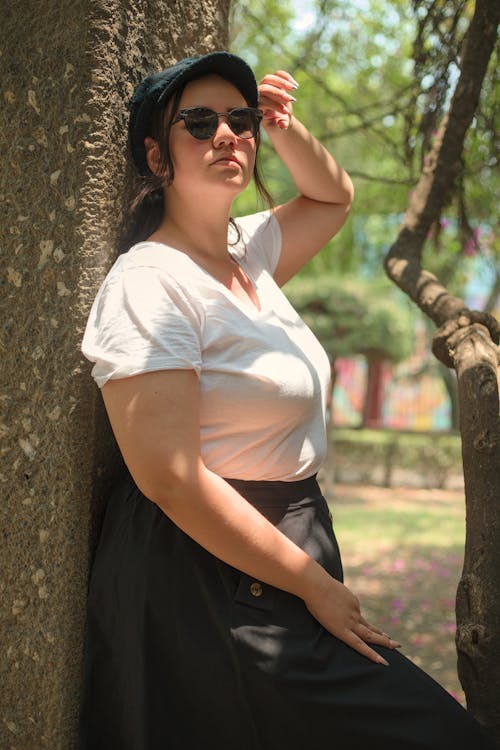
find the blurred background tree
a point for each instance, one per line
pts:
(355, 316)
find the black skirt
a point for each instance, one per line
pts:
(184, 652)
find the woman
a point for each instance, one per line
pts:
(217, 613)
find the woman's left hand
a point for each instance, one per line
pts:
(276, 100)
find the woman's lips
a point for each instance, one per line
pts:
(227, 159)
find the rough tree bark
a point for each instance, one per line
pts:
(67, 70)
(466, 341)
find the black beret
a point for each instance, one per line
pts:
(158, 88)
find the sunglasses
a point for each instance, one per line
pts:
(202, 122)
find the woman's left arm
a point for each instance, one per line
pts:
(308, 221)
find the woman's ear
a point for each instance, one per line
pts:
(152, 155)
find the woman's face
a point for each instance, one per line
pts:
(223, 162)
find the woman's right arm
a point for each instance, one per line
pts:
(155, 419)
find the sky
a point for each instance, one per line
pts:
(304, 15)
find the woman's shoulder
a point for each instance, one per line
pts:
(149, 254)
(156, 261)
(153, 276)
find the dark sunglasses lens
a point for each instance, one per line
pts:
(243, 122)
(202, 124)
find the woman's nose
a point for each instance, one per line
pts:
(223, 134)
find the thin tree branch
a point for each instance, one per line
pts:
(494, 294)
(403, 261)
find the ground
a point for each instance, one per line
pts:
(402, 551)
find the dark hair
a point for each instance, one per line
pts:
(147, 207)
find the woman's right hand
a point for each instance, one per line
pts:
(338, 610)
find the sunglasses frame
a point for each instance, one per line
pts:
(185, 113)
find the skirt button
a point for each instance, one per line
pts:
(256, 589)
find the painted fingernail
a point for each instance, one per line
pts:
(292, 98)
(383, 661)
(296, 84)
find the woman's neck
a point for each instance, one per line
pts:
(198, 229)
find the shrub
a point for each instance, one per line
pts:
(374, 455)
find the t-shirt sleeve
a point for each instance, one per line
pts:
(141, 321)
(261, 237)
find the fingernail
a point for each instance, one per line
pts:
(292, 98)
(295, 83)
(383, 661)
(395, 645)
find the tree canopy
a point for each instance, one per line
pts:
(376, 77)
(353, 315)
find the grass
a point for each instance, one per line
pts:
(392, 528)
(402, 551)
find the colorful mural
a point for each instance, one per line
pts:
(409, 402)
(414, 396)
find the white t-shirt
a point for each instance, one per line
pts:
(263, 375)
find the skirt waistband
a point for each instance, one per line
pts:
(275, 494)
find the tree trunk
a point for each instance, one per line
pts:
(67, 71)
(478, 610)
(372, 408)
(465, 341)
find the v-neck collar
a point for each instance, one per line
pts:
(253, 283)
